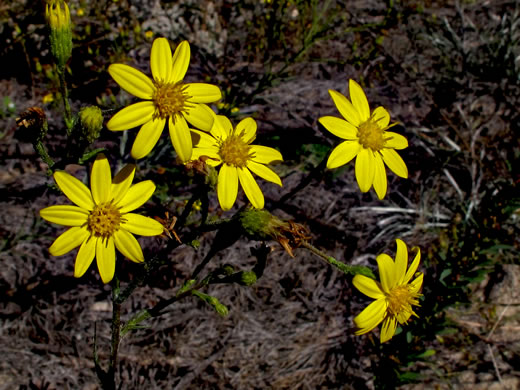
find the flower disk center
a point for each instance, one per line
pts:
(169, 99)
(371, 135)
(234, 151)
(401, 299)
(104, 220)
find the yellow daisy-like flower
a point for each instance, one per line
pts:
(366, 137)
(101, 220)
(232, 148)
(166, 99)
(394, 296)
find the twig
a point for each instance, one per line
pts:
(495, 364)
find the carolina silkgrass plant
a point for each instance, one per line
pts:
(222, 157)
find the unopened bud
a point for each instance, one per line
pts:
(91, 120)
(212, 301)
(260, 224)
(248, 278)
(57, 15)
(221, 309)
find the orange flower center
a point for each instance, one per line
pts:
(104, 220)
(234, 151)
(371, 135)
(401, 299)
(169, 99)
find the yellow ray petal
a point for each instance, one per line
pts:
(345, 107)
(381, 116)
(264, 154)
(101, 179)
(200, 116)
(394, 162)
(413, 267)
(359, 100)
(180, 61)
(128, 246)
(343, 154)
(147, 137)
(264, 172)
(251, 188)
(161, 60)
(395, 140)
(132, 80)
(227, 186)
(180, 137)
(141, 225)
(86, 254)
(136, 196)
(69, 240)
(401, 261)
(203, 93)
(386, 272)
(75, 190)
(132, 116)
(371, 316)
(339, 127)
(416, 284)
(122, 182)
(388, 329)
(380, 183)
(106, 258)
(248, 126)
(67, 215)
(201, 139)
(365, 169)
(368, 286)
(212, 153)
(222, 127)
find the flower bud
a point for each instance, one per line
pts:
(221, 309)
(91, 120)
(58, 19)
(212, 301)
(248, 278)
(260, 224)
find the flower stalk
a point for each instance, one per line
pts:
(345, 268)
(116, 335)
(57, 15)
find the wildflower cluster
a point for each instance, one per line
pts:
(102, 217)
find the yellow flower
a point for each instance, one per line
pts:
(166, 99)
(366, 137)
(48, 98)
(232, 148)
(394, 296)
(101, 220)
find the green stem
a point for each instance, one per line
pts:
(42, 152)
(155, 311)
(191, 287)
(345, 268)
(65, 98)
(116, 335)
